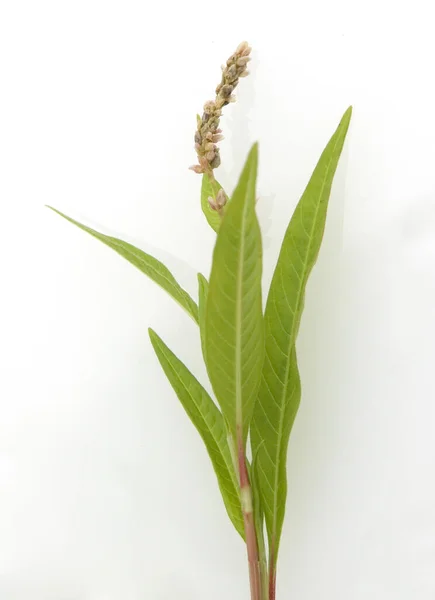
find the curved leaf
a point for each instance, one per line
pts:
(146, 263)
(208, 420)
(202, 301)
(280, 391)
(234, 336)
(208, 189)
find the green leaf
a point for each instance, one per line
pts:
(280, 391)
(209, 422)
(202, 296)
(210, 188)
(145, 263)
(234, 331)
(258, 509)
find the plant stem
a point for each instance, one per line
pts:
(248, 518)
(264, 581)
(272, 576)
(261, 555)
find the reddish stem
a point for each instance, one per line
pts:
(272, 583)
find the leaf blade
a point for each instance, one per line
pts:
(234, 332)
(210, 189)
(202, 302)
(280, 388)
(146, 263)
(209, 423)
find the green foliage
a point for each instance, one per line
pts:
(146, 263)
(234, 336)
(209, 423)
(202, 300)
(250, 358)
(280, 389)
(210, 189)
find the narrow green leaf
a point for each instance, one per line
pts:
(209, 422)
(146, 263)
(258, 509)
(202, 301)
(210, 188)
(280, 391)
(234, 332)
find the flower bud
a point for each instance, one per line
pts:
(226, 90)
(242, 47)
(212, 203)
(196, 169)
(216, 161)
(221, 199)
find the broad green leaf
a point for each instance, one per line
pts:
(210, 188)
(209, 422)
(280, 391)
(145, 263)
(202, 300)
(234, 331)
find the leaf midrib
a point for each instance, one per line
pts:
(137, 254)
(238, 362)
(229, 466)
(122, 247)
(291, 343)
(168, 278)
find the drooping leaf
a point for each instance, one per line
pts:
(202, 300)
(146, 263)
(280, 391)
(234, 331)
(210, 189)
(209, 422)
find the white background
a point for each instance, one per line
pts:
(106, 492)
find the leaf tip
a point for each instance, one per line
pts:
(251, 164)
(347, 115)
(153, 335)
(56, 211)
(343, 126)
(202, 281)
(254, 151)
